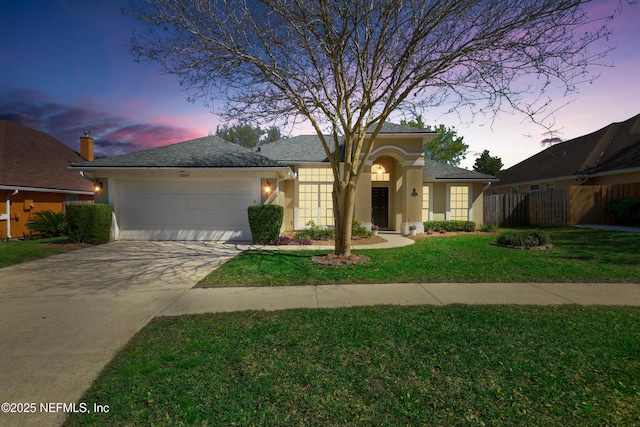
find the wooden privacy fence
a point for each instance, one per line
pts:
(555, 208)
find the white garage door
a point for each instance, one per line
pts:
(185, 210)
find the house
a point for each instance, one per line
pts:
(200, 189)
(35, 176)
(607, 156)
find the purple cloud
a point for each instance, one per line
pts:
(113, 134)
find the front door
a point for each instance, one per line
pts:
(380, 206)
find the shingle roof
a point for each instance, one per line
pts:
(303, 148)
(307, 148)
(441, 171)
(614, 147)
(30, 158)
(207, 152)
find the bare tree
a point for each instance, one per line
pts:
(346, 65)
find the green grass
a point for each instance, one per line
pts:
(436, 366)
(579, 255)
(18, 251)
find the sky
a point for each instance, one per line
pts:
(65, 67)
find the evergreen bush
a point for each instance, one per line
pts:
(315, 232)
(358, 230)
(527, 238)
(265, 222)
(450, 225)
(89, 223)
(624, 211)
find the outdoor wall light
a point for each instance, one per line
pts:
(414, 193)
(97, 186)
(267, 188)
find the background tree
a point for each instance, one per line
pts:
(346, 66)
(241, 133)
(447, 147)
(487, 164)
(247, 135)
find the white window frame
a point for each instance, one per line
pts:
(320, 211)
(469, 200)
(531, 187)
(430, 207)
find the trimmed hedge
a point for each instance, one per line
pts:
(265, 222)
(451, 225)
(624, 211)
(89, 223)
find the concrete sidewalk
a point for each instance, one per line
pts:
(215, 300)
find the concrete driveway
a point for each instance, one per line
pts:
(63, 318)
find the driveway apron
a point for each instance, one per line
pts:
(63, 318)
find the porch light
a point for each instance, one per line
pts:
(267, 188)
(414, 193)
(97, 186)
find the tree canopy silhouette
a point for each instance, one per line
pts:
(346, 65)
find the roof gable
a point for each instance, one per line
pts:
(614, 147)
(30, 158)
(206, 152)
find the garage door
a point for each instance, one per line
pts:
(185, 210)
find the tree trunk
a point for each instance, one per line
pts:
(344, 197)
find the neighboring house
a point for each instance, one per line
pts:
(35, 176)
(200, 189)
(608, 156)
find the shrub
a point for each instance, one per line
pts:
(528, 238)
(48, 223)
(451, 225)
(488, 228)
(624, 211)
(89, 223)
(265, 222)
(315, 232)
(358, 230)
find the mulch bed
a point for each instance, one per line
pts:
(333, 260)
(354, 240)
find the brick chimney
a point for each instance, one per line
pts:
(86, 146)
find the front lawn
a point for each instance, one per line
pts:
(578, 255)
(18, 251)
(437, 366)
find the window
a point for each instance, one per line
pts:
(459, 202)
(534, 187)
(315, 202)
(514, 190)
(426, 199)
(379, 173)
(550, 185)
